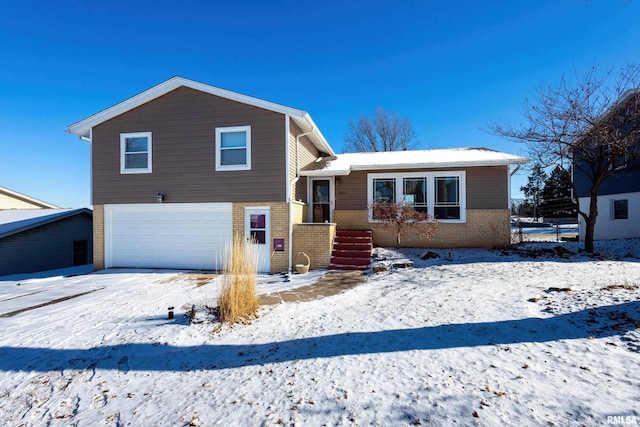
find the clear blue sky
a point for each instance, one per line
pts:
(450, 66)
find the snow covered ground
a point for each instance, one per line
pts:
(474, 337)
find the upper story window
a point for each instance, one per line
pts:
(233, 148)
(440, 194)
(135, 152)
(620, 209)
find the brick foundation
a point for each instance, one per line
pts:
(484, 228)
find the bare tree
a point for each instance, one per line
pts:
(591, 124)
(403, 218)
(384, 131)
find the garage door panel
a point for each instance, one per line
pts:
(167, 235)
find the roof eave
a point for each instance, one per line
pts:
(325, 172)
(47, 220)
(439, 165)
(83, 127)
(320, 141)
(27, 199)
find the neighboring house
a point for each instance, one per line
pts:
(10, 199)
(179, 168)
(44, 239)
(618, 194)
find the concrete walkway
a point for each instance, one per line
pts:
(330, 284)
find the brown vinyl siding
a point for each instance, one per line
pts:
(486, 187)
(300, 157)
(183, 124)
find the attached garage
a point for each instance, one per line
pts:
(164, 235)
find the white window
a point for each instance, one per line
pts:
(135, 152)
(620, 209)
(447, 197)
(440, 194)
(233, 148)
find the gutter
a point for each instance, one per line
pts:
(293, 182)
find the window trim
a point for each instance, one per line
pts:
(123, 152)
(431, 175)
(229, 129)
(613, 209)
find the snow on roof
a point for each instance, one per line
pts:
(343, 164)
(13, 221)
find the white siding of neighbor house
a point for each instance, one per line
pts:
(606, 226)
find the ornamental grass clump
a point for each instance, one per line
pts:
(238, 300)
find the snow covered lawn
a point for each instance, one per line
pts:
(472, 338)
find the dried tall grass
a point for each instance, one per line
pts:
(238, 300)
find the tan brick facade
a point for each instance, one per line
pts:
(316, 240)
(98, 237)
(484, 228)
(298, 211)
(279, 229)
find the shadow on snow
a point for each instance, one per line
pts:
(160, 357)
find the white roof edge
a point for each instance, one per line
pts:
(515, 160)
(324, 172)
(441, 165)
(27, 198)
(321, 140)
(82, 127)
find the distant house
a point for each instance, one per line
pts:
(619, 193)
(10, 199)
(181, 167)
(38, 236)
(44, 239)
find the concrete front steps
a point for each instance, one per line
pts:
(351, 250)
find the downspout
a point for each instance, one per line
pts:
(291, 184)
(513, 172)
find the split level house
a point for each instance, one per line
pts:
(618, 195)
(180, 168)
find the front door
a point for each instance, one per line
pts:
(257, 223)
(321, 199)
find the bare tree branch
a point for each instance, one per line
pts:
(591, 124)
(384, 131)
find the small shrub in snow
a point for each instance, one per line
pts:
(403, 218)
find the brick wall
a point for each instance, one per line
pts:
(484, 228)
(279, 229)
(98, 237)
(316, 240)
(298, 211)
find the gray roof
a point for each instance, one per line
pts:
(13, 221)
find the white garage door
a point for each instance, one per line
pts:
(190, 236)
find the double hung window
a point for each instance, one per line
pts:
(415, 193)
(620, 209)
(233, 148)
(135, 152)
(447, 200)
